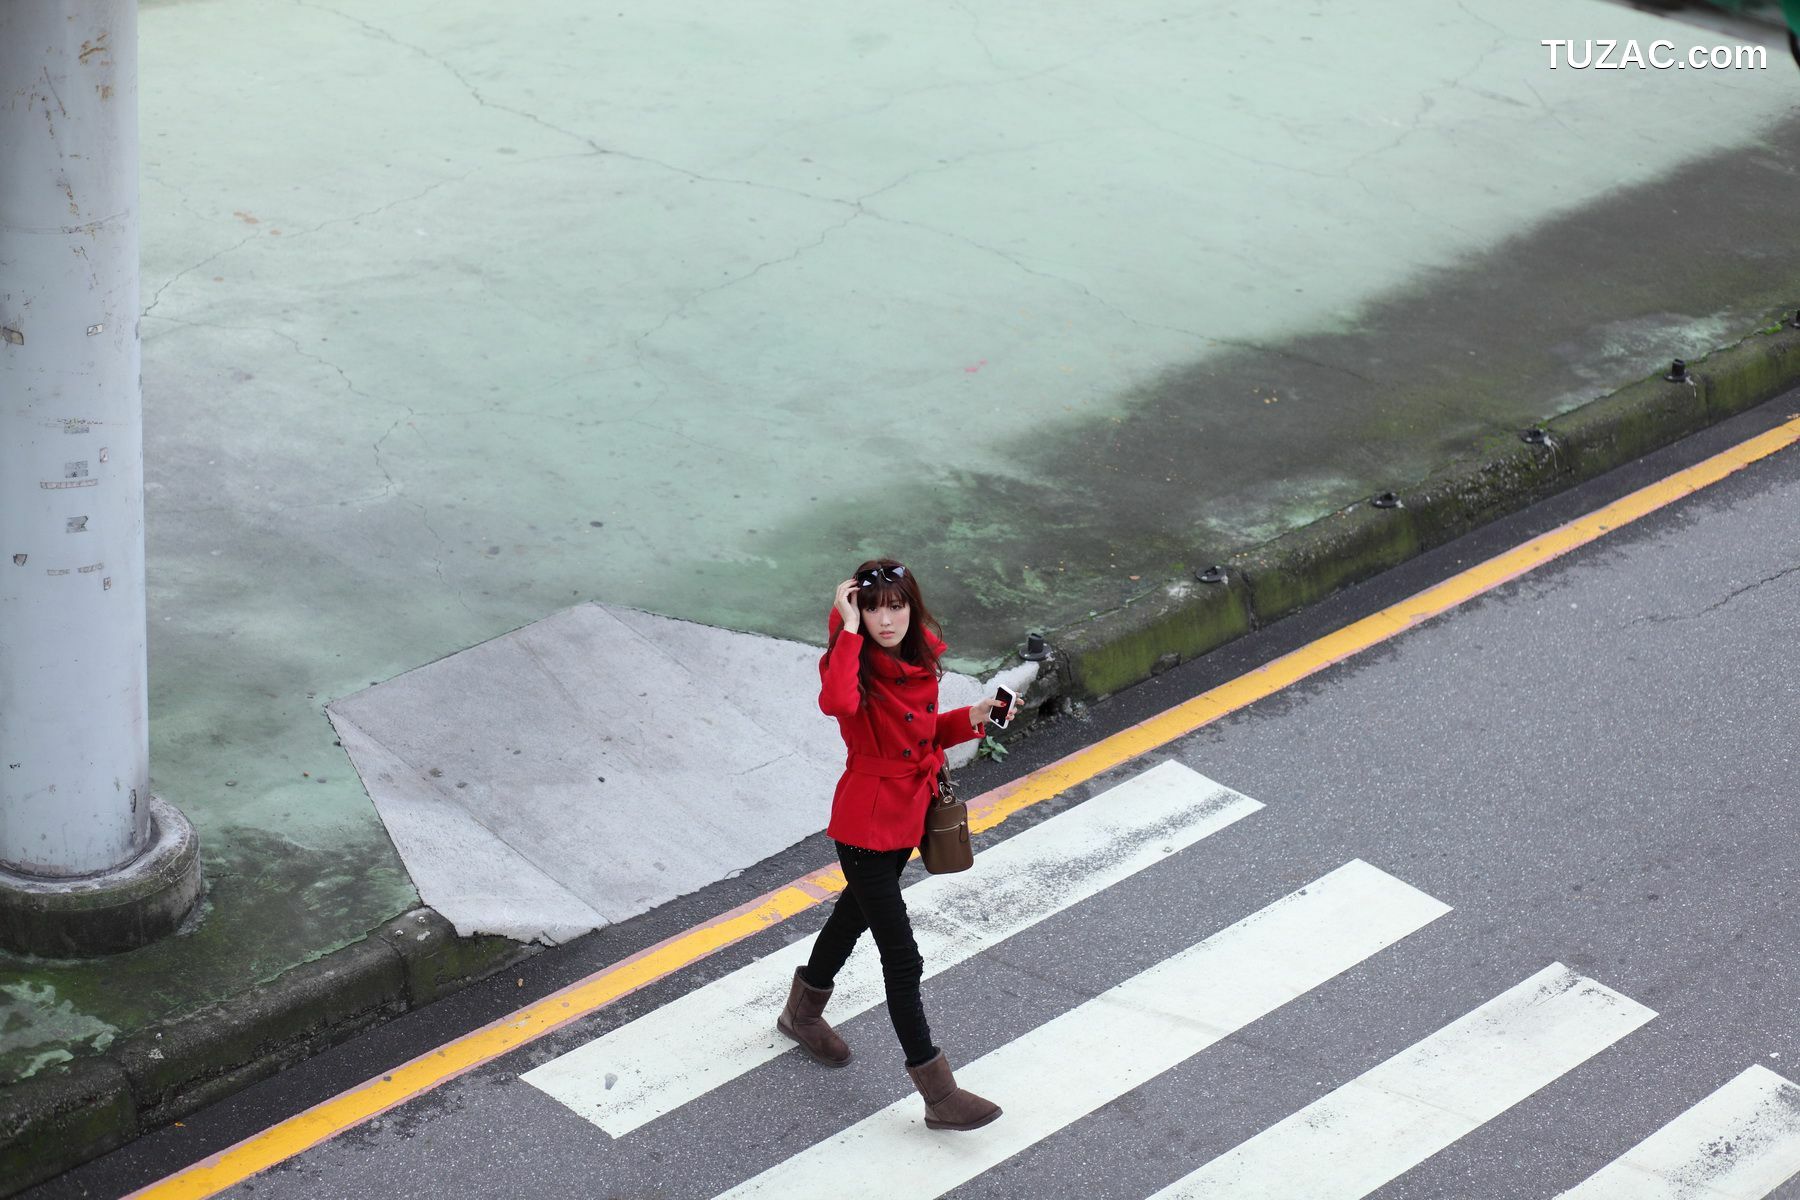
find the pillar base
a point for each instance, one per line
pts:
(119, 910)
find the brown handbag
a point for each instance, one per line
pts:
(945, 848)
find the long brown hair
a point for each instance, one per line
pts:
(913, 648)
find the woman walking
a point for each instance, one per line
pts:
(879, 678)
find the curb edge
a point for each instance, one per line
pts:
(71, 1113)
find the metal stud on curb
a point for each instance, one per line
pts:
(1387, 500)
(1535, 436)
(1677, 372)
(1035, 648)
(1212, 574)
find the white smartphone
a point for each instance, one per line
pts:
(1005, 696)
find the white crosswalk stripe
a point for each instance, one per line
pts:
(1401, 1112)
(715, 1033)
(1103, 1048)
(1740, 1143)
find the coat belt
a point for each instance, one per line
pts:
(896, 768)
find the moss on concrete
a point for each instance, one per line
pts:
(179, 1065)
(436, 961)
(1171, 625)
(61, 1118)
(1755, 370)
(1303, 567)
(1626, 425)
(271, 903)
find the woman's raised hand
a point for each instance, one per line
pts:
(846, 606)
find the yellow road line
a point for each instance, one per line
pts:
(372, 1097)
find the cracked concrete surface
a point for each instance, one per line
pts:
(1714, 607)
(456, 318)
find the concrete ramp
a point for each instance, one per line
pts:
(597, 763)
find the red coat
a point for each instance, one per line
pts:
(895, 742)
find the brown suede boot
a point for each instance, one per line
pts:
(801, 1021)
(946, 1105)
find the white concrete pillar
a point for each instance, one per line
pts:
(74, 706)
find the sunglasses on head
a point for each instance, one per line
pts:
(875, 575)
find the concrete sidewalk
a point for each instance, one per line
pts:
(456, 320)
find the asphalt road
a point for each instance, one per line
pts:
(1592, 766)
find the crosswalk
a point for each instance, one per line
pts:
(1096, 1052)
(1741, 1142)
(718, 1032)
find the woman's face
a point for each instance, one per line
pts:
(887, 623)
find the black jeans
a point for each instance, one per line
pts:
(872, 901)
